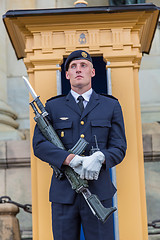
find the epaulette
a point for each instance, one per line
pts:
(58, 96)
(110, 96)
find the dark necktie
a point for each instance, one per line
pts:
(80, 103)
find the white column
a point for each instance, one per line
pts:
(8, 124)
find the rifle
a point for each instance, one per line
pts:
(77, 184)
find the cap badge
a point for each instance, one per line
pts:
(84, 54)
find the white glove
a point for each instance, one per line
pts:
(91, 166)
(76, 164)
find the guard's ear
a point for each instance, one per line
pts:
(67, 75)
(93, 72)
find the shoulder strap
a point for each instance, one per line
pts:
(55, 97)
(110, 96)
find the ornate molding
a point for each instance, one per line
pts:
(94, 39)
(8, 123)
(118, 39)
(47, 42)
(22, 24)
(70, 40)
(7, 115)
(49, 48)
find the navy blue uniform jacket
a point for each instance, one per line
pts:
(101, 117)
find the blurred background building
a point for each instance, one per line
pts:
(15, 177)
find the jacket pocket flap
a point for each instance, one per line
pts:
(100, 123)
(62, 125)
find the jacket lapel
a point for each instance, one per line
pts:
(93, 102)
(70, 102)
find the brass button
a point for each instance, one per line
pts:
(82, 122)
(82, 135)
(62, 134)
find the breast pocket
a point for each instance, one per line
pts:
(64, 131)
(100, 128)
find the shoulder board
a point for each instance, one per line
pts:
(58, 96)
(110, 96)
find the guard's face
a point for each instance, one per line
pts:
(80, 73)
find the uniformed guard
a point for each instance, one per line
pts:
(97, 118)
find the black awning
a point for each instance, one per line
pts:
(80, 10)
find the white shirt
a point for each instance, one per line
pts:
(85, 95)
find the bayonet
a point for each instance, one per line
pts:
(35, 97)
(31, 90)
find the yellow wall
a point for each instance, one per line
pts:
(130, 173)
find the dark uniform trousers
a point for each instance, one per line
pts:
(101, 117)
(67, 220)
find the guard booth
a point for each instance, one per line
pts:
(119, 35)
